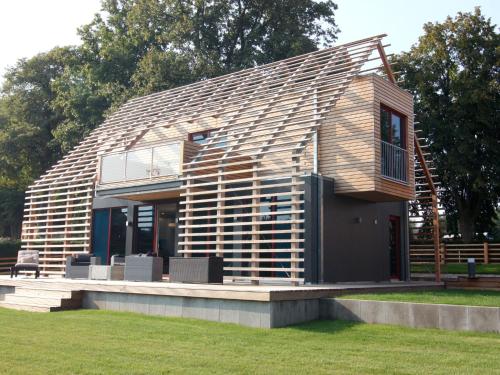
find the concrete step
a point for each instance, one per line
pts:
(28, 307)
(42, 298)
(41, 292)
(42, 301)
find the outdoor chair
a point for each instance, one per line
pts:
(117, 260)
(114, 271)
(27, 260)
(77, 267)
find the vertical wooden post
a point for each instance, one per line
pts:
(486, 254)
(255, 227)
(188, 215)
(295, 206)
(444, 253)
(219, 237)
(435, 223)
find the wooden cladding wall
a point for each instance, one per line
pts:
(349, 141)
(401, 101)
(346, 142)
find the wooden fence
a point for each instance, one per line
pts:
(5, 264)
(456, 253)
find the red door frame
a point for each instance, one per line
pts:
(396, 221)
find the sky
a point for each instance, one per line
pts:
(28, 27)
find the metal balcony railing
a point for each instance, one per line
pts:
(394, 162)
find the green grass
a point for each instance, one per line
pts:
(452, 297)
(486, 269)
(99, 342)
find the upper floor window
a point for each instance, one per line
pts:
(394, 157)
(392, 127)
(201, 138)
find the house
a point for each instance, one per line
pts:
(297, 171)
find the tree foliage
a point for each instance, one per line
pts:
(132, 48)
(453, 73)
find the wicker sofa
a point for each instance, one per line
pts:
(77, 267)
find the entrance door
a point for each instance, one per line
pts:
(395, 247)
(166, 232)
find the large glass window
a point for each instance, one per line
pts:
(109, 232)
(392, 127)
(394, 161)
(144, 238)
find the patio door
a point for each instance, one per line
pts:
(395, 247)
(166, 234)
(109, 231)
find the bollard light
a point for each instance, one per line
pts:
(471, 268)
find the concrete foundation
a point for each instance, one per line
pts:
(261, 314)
(416, 315)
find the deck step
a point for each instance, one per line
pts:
(28, 307)
(43, 292)
(42, 299)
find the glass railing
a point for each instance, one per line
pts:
(141, 164)
(394, 162)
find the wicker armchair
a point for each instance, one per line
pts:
(77, 267)
(27, 260)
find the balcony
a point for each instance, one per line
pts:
(143, 169)
(394, 162)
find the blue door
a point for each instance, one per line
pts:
(100, 234)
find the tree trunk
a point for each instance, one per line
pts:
(468, 212)
(466, 226)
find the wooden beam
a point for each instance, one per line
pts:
(387, 65)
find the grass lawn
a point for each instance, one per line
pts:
(486, 269)
(452, 297)
(101, 342)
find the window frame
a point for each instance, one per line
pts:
(201, 132)
(404, 126)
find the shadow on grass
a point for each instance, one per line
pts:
(330, 327)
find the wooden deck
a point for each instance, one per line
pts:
(227, 291)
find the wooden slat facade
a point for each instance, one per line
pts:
(242, 191)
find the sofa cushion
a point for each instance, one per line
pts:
(27, 257)
(27, 265)
(82, 259)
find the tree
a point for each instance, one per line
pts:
(50, 102)
(145, 46)
(453, 73)
(27, 123)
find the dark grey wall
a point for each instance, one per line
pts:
(353, 236)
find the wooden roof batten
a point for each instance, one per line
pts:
(266, 103)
